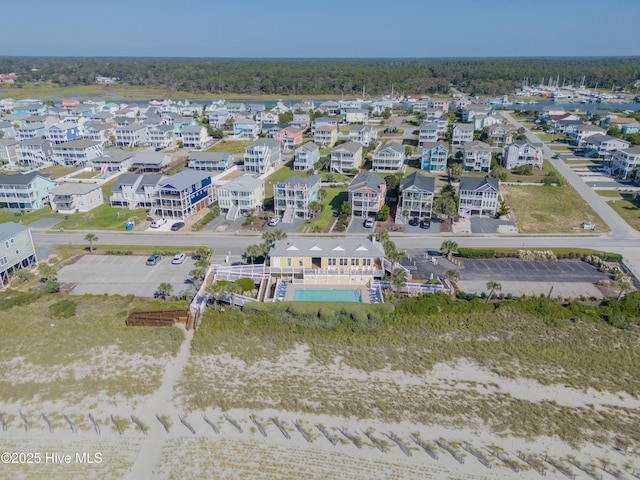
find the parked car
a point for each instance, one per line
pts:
(274, 221)
(158, 222)
(368, 223)
(153, 259)
(177, 226)
(425, 223)
(178, 258)
(414, 222)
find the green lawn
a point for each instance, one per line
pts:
(536, 177)
(280, 175)
(28, 218)
(56, 172)
(332, 202)
(549, 209)
(625, 205)
(103, 217)
(89, 174)
(232, 146)
(547, 137)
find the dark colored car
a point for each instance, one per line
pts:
(153, 259)
(425, 224)
(413, 222)
(177, 226)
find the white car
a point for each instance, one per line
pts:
(274, 221)
(178, 258)
(158, 222)
(368, 223)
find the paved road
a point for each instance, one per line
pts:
(619, 228)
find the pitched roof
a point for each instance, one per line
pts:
(323, 247)
(192, 129)
(20, 178)
(74, 188)
(298, 180)
(79, 143)
(368, 180)
(474, 183)
(114, 155)
(209, 156)
(184, 179)
(10, 229)
(477, 144)
(309, 146)
(243, 183)
(352, 147)
(432, 145)
(464, 126)
(416, 179)
(396, 147)
(265, 143)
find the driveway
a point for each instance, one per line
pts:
(123, 275)
(357, 226)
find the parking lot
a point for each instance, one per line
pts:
(123, 275)
(568, 278)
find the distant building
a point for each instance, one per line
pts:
(306, 156)
(477, 156)
(434, 156)
(346, 157)
(389, 158)
(29, 191)
(210, 161)
(262, 156)
(16, 251)
(523, 153)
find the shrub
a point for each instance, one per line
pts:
(245, 284)
(63, 309)
(51, 286)
(476, 252)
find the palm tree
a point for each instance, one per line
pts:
(90, 237)
(493, 286)
(315, 207)
(448, 247)
(322, 194)
(452, 275)
(398, 279)
(394, 256)
(204, 252)
(224, 286)
(623, 283)
(164, 290)
(252, 251)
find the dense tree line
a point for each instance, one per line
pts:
(328, 76)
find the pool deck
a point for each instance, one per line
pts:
(291, 290)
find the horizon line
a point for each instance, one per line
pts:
(501, 57)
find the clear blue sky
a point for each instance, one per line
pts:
(322, 28)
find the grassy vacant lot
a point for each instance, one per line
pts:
(332, 203)
(625, 205)
(549, 209)
(536, 177)
(57, 171)
(280, 175)
(232, 146)
(350, 367)
(89, 352)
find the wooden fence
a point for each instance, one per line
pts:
(157, 318)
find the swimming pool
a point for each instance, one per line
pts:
(327, 295)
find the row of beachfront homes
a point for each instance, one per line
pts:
(181, 195)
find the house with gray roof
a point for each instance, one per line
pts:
(150, 161)
(25, 191)
(99, 132)
(625, 161)
(241, 196)
(603, 146)
(194, 136)
(462, 133)
(135, 190)
(35, 152)
(113, 160)
(160, 136)
(262, 156)
(210, 161)
(291, 197)
(131, 135)
(16, 251)
(69, 198)
(183, 195)
(76, 152)
(346, 157)
(30, 130)
(415, 197)
(367, 194)
(477, 156)
(523, 153)
(478, 196)
(363, 134)
(388, 158)
(306, 156)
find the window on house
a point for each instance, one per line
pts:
(331, 262)
(288, 261)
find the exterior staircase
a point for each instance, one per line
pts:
(289, 215)
(232, 214)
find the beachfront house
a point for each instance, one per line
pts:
(182, 195)
(291, 197)
(523, 153)
(25, 191)
(625, 161)
(415, 200)
(35, 152)
(210, 161)
(70, 198)
(16, 251)
(135, 190)
(76, 152)
(461, 134)
(367, 194)
(478, 196)
(241, 196)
